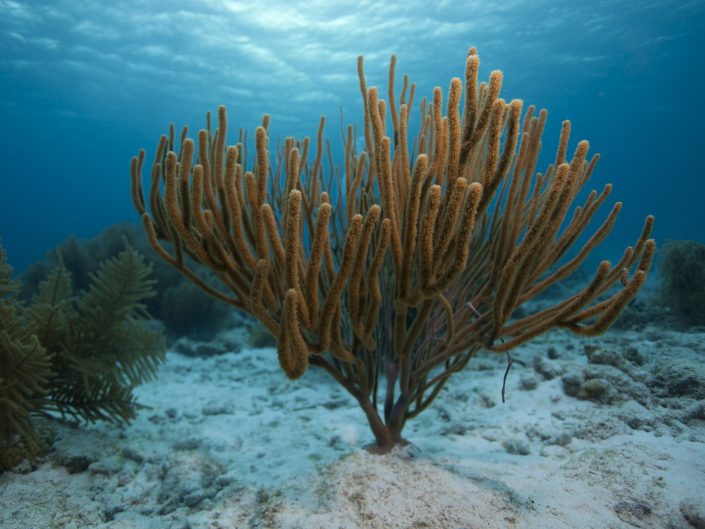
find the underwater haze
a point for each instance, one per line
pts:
(445, 367)
(85, 84)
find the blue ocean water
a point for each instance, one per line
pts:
(85, 84)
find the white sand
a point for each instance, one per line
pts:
(229, 442)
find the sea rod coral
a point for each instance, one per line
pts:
(392, 273)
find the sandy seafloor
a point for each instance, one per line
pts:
(596, 433)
